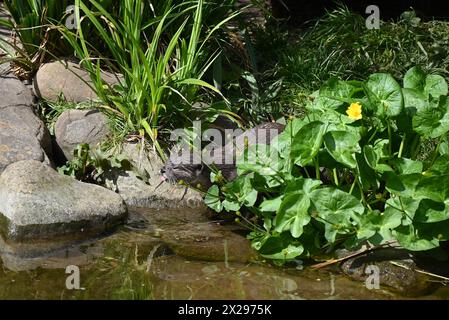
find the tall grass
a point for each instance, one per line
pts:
(162, 75)
(31, 22)
(340, 45)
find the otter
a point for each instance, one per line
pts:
(194, 169)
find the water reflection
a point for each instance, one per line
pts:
(134, 263)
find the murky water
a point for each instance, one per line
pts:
(134, 263)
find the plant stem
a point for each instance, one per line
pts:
(317, 169)
(362, 195)
(435, 152)
(401, 148)
(307, 172)
(390, 145)
(372, 136)
(403, 210)
(336, 177)
(415, 147)
(353, 185)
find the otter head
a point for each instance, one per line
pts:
(185, 166)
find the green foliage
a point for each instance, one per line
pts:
(32, 21)
(91, 165)
(339, 45)
(336, 177)
(162, 76)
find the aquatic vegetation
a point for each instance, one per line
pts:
(349, 171)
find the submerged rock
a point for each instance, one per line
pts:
(23, 136)
(396, 268)
(68, 79)
(75, 127)
(209, 241)
(175, 278)
(38, 203)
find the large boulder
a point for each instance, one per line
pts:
(75, 127)
(23, 136)
(38, 203)
(155, 193)
(68, 79)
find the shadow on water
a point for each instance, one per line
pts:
(134, 263)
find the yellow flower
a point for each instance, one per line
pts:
(354, 111)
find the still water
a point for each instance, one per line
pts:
(135, 263)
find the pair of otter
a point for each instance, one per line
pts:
(184, 165)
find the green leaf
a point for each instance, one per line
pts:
(374, 155)
(410, 240)
(389, 220)
(434, 187)
(433, 85)
(414, 100)
(406, 166)
(431, 211)
(433, 120)
(415, 79)
(418, 186)
(212, 199)
(241, 191)
(307, 143)
(367, 176)
(293, 212)
(280, 247)
(231, 205)
(436, 86)
(440, 166)
(384, 95)
(402, 185)
(343, 146)
(335, 93)
(336, 209)
(271, 205)
(405, 207)
(283, 141)
(261, 159)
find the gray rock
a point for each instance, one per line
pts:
(75, 127)
(396, 269)
(38, 203)
(14, 92)
(69, 79)
(23, 136)
(155, 194)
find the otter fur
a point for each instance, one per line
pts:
(192, 169)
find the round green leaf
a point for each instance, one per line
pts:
(342, 146)
(307, 143)
(212, 199)
(384, 95)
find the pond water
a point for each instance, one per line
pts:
(135, 263)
